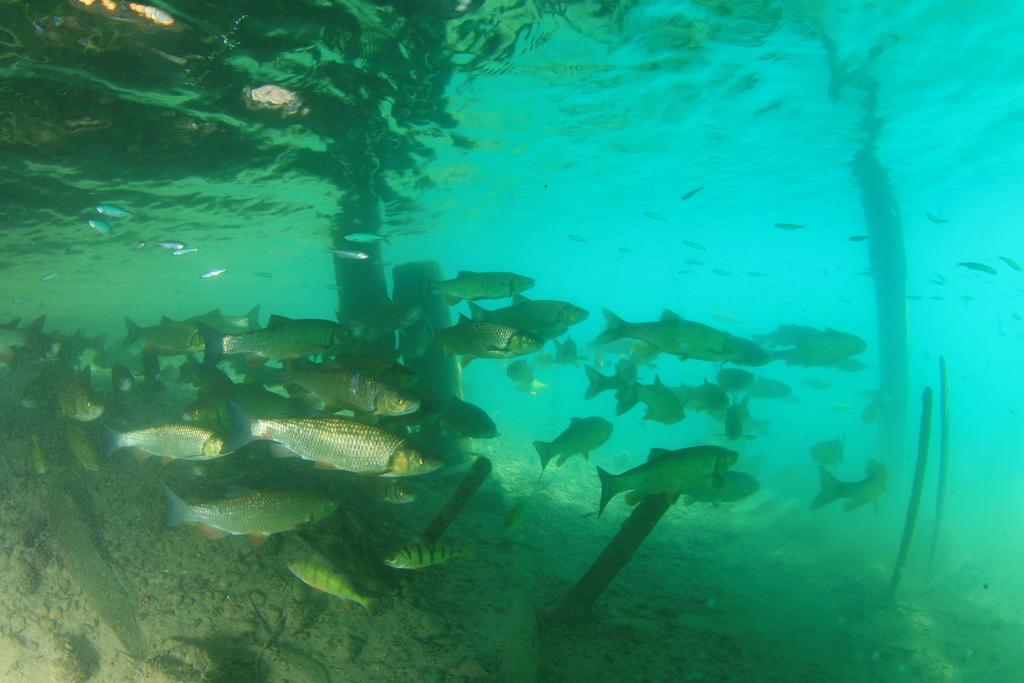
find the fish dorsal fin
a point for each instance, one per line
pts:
(670, 316)
(164, 320)
(12, 324)
(657, 381)
(465, 273)
(277, 320)
(519, 299)
(215, 312)
(463, 319)
(657, 454)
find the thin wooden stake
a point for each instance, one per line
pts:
(915, 493)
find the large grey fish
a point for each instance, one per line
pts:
(670, 472)
(354, 389)
(228, 324)
(663, 405)
(545, 318)
(393, 315)
(867, 490)
(258, 514)
(173, 441)
(685, 338)
(334, 443)
(282, 338)
(471, 286)
(735, 487)
(170, 336)
(472, 338)
(583, 435)
(828, 452)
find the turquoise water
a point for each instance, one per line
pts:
(632, 156)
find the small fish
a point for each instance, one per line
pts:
(858, 493)
(112, 211)
(81, 447)
(186, 250)
(365, 238)
(790, 226)
(858, 238)
(754, 273)
(49, 276)
(257, 514)
(154, 14)
(516, 517)
(981, 267)
(694, 245)
(101, 227)
(213, 273)
(171, 245)
(393, 491)
(578, 238)
(583, 435)
(418, 555)
(694, 262)
(691, 193)
(719, 271)
(936, 219)
(626, 250)
(169, 441)
(1010, 262)
(655, 216)
(38, 459)
(140, 245)
(351, 255)
(320, 574)
(828, 453)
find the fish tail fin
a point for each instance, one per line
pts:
(253, 317)
(615, 328)
(598, 382)
(370, 605)
(831, 489)
(35, 329)
(213, 345)
(177, 509)
(545, 453)
(133, 330)
(241, 428)
(111, 442)
(609, 487)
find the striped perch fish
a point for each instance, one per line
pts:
(418, 554)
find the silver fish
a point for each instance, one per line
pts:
(213, 273)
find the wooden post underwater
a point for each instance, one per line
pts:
(940, 501)
(460, 496)
(362, 286)
(578, 601)
(915, 493)
(439, 375)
